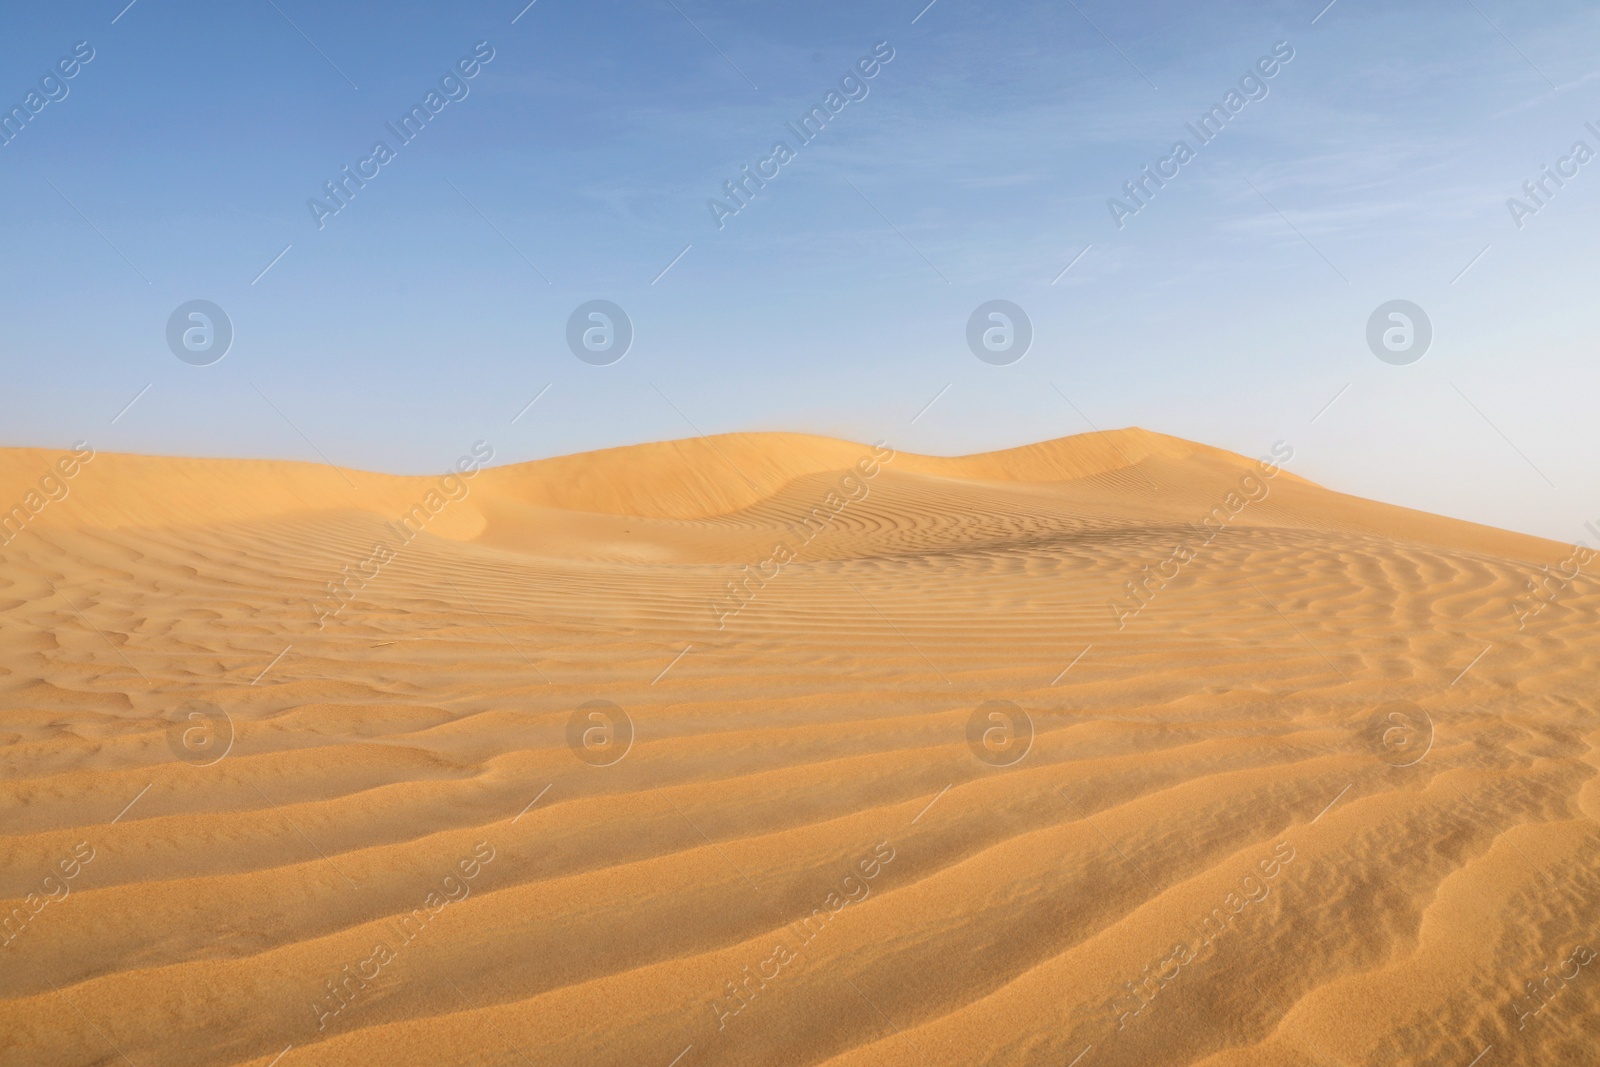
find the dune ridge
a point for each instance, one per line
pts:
(703, 891)
(693, 478)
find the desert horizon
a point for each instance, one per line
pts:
(776, 748)
(1117, 443)
(879, 534)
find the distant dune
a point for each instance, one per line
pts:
(778, 749)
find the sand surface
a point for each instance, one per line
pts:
(249, 817)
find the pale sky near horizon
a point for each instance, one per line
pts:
(976, 164)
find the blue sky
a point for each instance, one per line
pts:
(432, 307)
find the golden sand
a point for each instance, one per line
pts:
(774, 749)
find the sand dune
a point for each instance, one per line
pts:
(685, 753)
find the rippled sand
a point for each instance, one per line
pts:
(796, 829)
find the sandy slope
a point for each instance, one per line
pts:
(1205, 857)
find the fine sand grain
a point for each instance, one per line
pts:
(794, 835)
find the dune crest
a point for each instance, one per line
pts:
(770, 748)
(687, 479)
